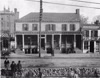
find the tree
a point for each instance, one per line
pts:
(96, 19)
(84, 20)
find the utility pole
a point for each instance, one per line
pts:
(40, 20)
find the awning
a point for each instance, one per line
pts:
(4, 35)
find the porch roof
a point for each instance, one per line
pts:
(48, 33)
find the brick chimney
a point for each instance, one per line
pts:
(77, 11)
(15, 10)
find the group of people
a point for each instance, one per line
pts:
(13, 66)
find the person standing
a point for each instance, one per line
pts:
(13, 68)
(19, 67)
(6, 64)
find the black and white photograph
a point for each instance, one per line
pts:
(49, 38)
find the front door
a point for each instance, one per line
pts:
(43, 43)
(92, 46)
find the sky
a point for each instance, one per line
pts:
(26, 6)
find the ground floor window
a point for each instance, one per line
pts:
(85, 44)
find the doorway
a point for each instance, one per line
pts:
(92, 46)
(43, 43)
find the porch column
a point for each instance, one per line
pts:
(83, 46)
(53, 41)
(15, 42)
(94, 46)
(89, 34)
(74, 40)
(23, 41)
(60, 42)
(45, 41)
(38, 42)
(89, 46)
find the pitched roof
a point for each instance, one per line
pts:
(51, 17)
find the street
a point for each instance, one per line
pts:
(80, 60)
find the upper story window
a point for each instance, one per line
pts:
(72, 27)
(50, 27)
(86, 33)
(64, 27)
(94, 33)
(34, 27)
(25, 27)
(1, 18)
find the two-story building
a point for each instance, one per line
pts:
(91, 36)
(56, 29)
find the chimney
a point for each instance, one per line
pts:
(96, 22)
(77, 11)
(15, 10)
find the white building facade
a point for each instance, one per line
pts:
(56, 29)
(91, 36)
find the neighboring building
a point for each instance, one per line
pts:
(56, 29)
(91, 37)
(99, 38)
(7, 22)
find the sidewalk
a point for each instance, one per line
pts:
(44, 55)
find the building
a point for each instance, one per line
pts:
(7, 22)
(56, 29)
(91, 37)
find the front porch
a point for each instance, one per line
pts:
(55, 40)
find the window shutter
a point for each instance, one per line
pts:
(53, 27)
(23, 27)
(46, 27)
(87, 33)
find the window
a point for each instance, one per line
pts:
(8, 24)
(86, 33)
(92, 34)
(72, 27)
(1, 18)
(85, 44)
(35, 27)
(25, 27)
(50, 27)
(64, 27)
(95, 33)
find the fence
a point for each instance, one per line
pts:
(55, 72)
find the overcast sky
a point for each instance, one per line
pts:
(26, 6)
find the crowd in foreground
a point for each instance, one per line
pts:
(15, 70)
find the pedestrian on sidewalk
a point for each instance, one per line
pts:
(13, 68)
(6, 63)
(19, 68)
